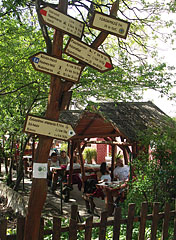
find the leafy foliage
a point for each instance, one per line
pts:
(24, 90)
(155, 171)
(89, 154)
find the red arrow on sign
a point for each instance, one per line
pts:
(86, 54)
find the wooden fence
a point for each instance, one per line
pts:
(156, 218)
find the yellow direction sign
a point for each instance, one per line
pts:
(88, 55)
(45, 63)
(45, 127)
(60, 21)
(115, 26)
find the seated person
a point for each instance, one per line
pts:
(63, 158)
(103, 175)
(52, 162)
(121, 172)
(90, 190)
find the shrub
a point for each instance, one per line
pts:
(89, 154)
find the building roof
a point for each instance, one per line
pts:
(112, 119)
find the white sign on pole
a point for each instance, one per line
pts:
(55, 66)
(45, 127)
(40, 170)
(88, 55)
(114, 26)
(65, 23)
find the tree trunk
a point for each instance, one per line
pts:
(39, 186)
(57, 89)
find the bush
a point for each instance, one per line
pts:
(155, 172)
(89, 154)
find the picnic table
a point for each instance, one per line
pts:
(111, 190)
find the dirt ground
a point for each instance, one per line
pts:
(52, 206)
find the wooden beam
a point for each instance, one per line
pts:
(110, 142)
(93, 136)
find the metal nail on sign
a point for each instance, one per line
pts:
(51, 65)
(88, 55)
(114, 26)
(45, 127)
(60, 21)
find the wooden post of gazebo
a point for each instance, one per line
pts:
(113, 160)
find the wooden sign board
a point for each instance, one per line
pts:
(51, 65)
(88, 55)
(49, 128)
(114, 26)
(60, 21)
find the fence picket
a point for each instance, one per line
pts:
(166, 222)
(73, 223)
(116, 225)
(143, 218)
(103, 223)
(56, 228)
(131, 212)
(20, 228)
(154, 220)
(73, 229)
(41, 231)
(174, 238)
(88, 228)
(75, 226)
(3, 229)
(74, 211)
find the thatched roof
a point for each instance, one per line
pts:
(113, 119)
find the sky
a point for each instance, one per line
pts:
(164, 50)
(167, 106)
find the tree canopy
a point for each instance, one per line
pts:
(135, 59)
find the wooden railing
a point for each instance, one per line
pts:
(167, 217)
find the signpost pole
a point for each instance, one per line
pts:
(57, 90)
(39, 186)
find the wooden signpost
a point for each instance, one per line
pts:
(49, 128)
(60, 21)
(114, 26)
(88, 55)
(54, 66)
(45, 127)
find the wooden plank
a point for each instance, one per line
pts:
(174, 237)
(143, 216)
(3, 229)
(166, 221)
(116, 224)
(155, 219)
(73, 229)
(103, 224)
(73, 223)
(88, 228)
(131, 212)
(56, 229)
(74, 210)
(41, 230)
(20, 228)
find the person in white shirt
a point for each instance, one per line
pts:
(121, 172)
(104, 173)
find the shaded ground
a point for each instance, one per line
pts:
(52, 205)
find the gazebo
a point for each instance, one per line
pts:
(117, 123)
